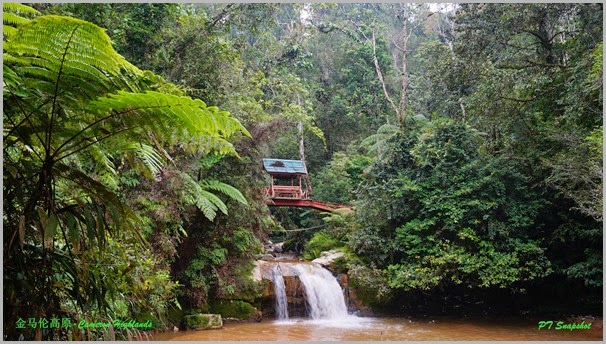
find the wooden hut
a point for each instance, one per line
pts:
(288, 179)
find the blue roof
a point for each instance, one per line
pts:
(283, 166)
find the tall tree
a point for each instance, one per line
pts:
(73, 109)
(539, 95)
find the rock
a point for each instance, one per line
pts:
(231, 320)
(203, 321)
(264, 272)
(351, 297)
(327, 258)
(286, 257)
(256, 273)
(278, 248)
(265, 256)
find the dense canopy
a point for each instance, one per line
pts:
(468, 138)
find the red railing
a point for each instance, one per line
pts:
(306, 203)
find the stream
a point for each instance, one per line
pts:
(328, 318)
(388, 329)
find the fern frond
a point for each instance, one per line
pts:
(104, 168)
(167, 113)
(216, 201)
(209, 160)
(74, 54)
(225, 189)
(8, 31)
(374, 141)
(19, 8)
(148, 156)
(193, 194)
(12, 16)
(13, 19)
(218, 145)
(202, 196)
(10, 79)
(206, 207)
(387, 129)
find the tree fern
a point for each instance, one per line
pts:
(375, 142)
(72, 108)
(53, 55)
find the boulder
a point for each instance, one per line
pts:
(286, 257)
(327, 258)
(264, 272)
(278, 247)
(266, 256)
(203, 321)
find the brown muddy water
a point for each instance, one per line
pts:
(390, 329)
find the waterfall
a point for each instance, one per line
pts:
(323, 293)
(280, 290)
(312, 289)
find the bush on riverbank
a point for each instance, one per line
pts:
(235, 309)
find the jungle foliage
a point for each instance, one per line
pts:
(468, 138)
(76, 115)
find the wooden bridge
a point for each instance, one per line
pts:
(289, 186)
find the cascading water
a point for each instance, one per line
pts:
(324, 299)
(280, 290)
(323, 293)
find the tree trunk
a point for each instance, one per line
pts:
(301, 142)
(302, 149)
(380, 76)
(404, 83)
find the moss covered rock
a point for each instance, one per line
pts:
(235, 309)
(203, 321)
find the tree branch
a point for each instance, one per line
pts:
(380, 74)
(221, 15)
(534, 97)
